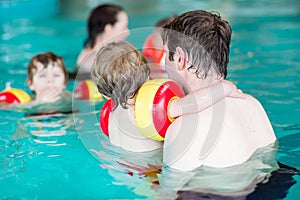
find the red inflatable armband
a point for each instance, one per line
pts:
(104, 116)
(13, 95)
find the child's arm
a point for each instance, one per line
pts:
(203, 98)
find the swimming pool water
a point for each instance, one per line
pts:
(64, 156)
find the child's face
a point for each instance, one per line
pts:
(47, 78)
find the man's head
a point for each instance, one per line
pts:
(203, 37)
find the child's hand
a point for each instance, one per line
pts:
(49, 95)
(231, 90)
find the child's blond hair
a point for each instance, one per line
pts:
(119, 71)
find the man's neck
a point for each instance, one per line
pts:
(194, 83)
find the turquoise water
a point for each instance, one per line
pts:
(64, 156)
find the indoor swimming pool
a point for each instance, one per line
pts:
(65, 155)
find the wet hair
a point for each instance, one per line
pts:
(119, 71)
(98, 19)
(45, 59)
(204, 36)
(164, 21)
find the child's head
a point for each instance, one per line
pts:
(119, 71)
(46, 70)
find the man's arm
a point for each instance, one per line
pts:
(203, 98)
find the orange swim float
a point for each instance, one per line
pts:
(151, 52)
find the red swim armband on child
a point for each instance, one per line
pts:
(13, 95)
(104, 115)
(151, 107)
(87, 90)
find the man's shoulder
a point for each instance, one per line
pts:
(248, 102)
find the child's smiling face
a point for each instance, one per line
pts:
(45, 78)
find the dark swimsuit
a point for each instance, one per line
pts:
(277, 187)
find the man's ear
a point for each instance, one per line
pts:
(180, 58)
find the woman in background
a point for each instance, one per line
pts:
(106, 23)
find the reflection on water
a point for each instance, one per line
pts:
(45, 126)
(232, 179)
(42, 119)
(145, 173)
